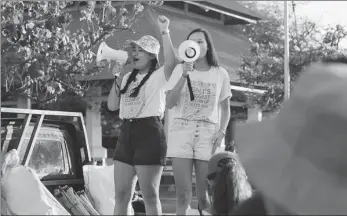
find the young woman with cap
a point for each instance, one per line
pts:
(141, 148)
(198, 95)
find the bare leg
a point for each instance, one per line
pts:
(182, 169)
(201, 172)
(125, 180)
(149, 180)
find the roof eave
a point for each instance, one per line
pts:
(227, 13)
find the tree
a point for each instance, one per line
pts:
(40, 57)
(264, 65)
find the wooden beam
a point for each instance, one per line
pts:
(237, 104)
(244, 89)
(83, 125)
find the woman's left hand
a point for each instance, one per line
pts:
(217, 140)
(163, 23)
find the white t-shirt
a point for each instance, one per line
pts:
(209, 88)
(149, 102)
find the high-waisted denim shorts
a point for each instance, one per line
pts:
(142, 141)
(191, 139)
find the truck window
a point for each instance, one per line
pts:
(52, 153)
(49, 157)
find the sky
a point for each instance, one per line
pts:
(325, 12)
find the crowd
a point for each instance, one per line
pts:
(291, 163)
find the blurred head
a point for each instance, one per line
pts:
(227, 182)
(207, 50)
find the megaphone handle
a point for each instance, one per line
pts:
(116, 85)
(191, 93)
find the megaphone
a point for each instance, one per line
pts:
(107, 53)
(189, 51)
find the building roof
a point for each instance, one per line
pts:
(229, 46)
(227, 5)
(234, 7)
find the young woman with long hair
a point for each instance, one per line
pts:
(227, 182)
(141, 148)
(198, 95)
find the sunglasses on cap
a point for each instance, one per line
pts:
(221, 164)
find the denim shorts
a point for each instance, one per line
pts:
(142, 141)
(191, 139)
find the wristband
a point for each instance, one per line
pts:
(222, 132)
(165, 32)
(117, 77)
(115, 80)
(185, 76)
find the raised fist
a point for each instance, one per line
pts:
(163, 23)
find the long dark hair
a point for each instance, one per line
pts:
(211, 55)
(231, 187)
(132, 77)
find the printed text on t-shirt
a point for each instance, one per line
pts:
(203, 104)
(133, 105)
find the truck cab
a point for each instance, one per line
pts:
(55, 149)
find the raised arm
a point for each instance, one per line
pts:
(171, 59)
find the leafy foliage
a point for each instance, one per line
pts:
(40, 57)
(264, 65)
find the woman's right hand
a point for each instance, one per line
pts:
(119, 70)
(187, 68)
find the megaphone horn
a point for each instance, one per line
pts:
(107, 53)
(189, 51)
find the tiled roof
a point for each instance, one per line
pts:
(234, 6)
(229, 46)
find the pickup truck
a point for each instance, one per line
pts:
(56, 149)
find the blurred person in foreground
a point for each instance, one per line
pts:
(297, 159)
(227, 182)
